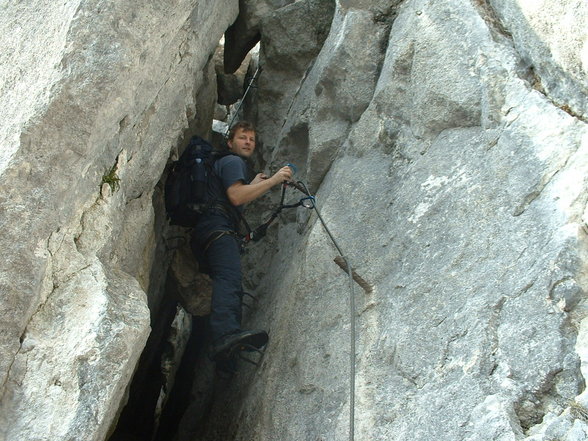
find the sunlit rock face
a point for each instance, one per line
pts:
(448, 147)
(93, 97)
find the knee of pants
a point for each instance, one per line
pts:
(230, 283)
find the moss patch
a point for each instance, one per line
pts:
(111, 179)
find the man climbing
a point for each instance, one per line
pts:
(217, 245)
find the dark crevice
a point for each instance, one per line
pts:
(236, 48)
(137, 420)
(186, 413)
(180, 396)
(385, 18)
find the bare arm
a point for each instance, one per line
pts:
(240, 193)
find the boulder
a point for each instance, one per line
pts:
(291, 41)
(230, 87)
(193, 287)
(76, 358)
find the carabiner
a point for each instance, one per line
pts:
(307, 202)
(292, 167)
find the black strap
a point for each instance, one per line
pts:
(261, 230)
(225, 206)
(215, 235)
(232, 212)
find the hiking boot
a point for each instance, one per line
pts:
(225, 347)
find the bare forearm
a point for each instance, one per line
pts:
(240, 193)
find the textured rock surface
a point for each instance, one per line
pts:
(193, 287)
(448, 145)
(245, 32)
(90, 92)
(551, 39)
(76, 358)
(294, 36)
(454, 176)
(230, 87)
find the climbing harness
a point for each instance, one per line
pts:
(260, 232)
(217, 235)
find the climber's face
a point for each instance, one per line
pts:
(243, 143)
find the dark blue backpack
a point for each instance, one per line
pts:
(191, 183)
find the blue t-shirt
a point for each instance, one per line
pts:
(230, 169)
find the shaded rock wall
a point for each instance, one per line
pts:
(449, 147)
(93, 97)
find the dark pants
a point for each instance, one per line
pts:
(222, 261)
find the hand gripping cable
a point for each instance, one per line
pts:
(307, 202)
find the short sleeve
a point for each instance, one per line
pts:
(231, 169)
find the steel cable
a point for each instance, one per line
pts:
(352, 320)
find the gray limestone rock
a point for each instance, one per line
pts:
(230, 87)
(336, 91)
(192, 286)
(447, 144)
(458, 190)
(293, 38)
(93, 97)
(550, 37)
(245, 32)
(76, 358)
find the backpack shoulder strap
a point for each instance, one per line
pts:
(215, 156)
